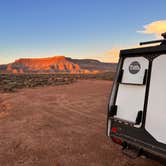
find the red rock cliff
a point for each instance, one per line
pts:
(51, 64)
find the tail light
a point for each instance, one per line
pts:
(114, 129)
(117, 140)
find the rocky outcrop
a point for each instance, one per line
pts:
(40, 65)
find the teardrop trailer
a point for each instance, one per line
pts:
(137, 105)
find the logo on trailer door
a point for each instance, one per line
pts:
(134, 67)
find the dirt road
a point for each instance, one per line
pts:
(59, 126)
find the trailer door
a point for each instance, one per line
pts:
(155, 122)
(131, 91)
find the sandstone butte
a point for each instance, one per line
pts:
(51, 64)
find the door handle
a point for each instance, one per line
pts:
(138, 118)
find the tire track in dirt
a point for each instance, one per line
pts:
(60, 126)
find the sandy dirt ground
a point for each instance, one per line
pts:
(59, 126)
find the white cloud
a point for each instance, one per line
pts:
(156, 28)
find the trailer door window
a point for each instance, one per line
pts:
(134, 70)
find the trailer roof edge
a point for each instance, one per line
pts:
(144, 50)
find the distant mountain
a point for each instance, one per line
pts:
(91, 64)
(56, 64)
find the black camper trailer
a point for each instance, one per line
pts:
(137, 104)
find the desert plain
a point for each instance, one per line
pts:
(61, 125)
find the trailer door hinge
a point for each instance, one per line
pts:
(113, 110)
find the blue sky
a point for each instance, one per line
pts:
(75, 28)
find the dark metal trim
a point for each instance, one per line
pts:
(145, 50)
(147, 93)
(113, 111)
(120, 76)
(114, 90)
(145, 76)
(143, 145)
(151, 42)
(139, 118)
